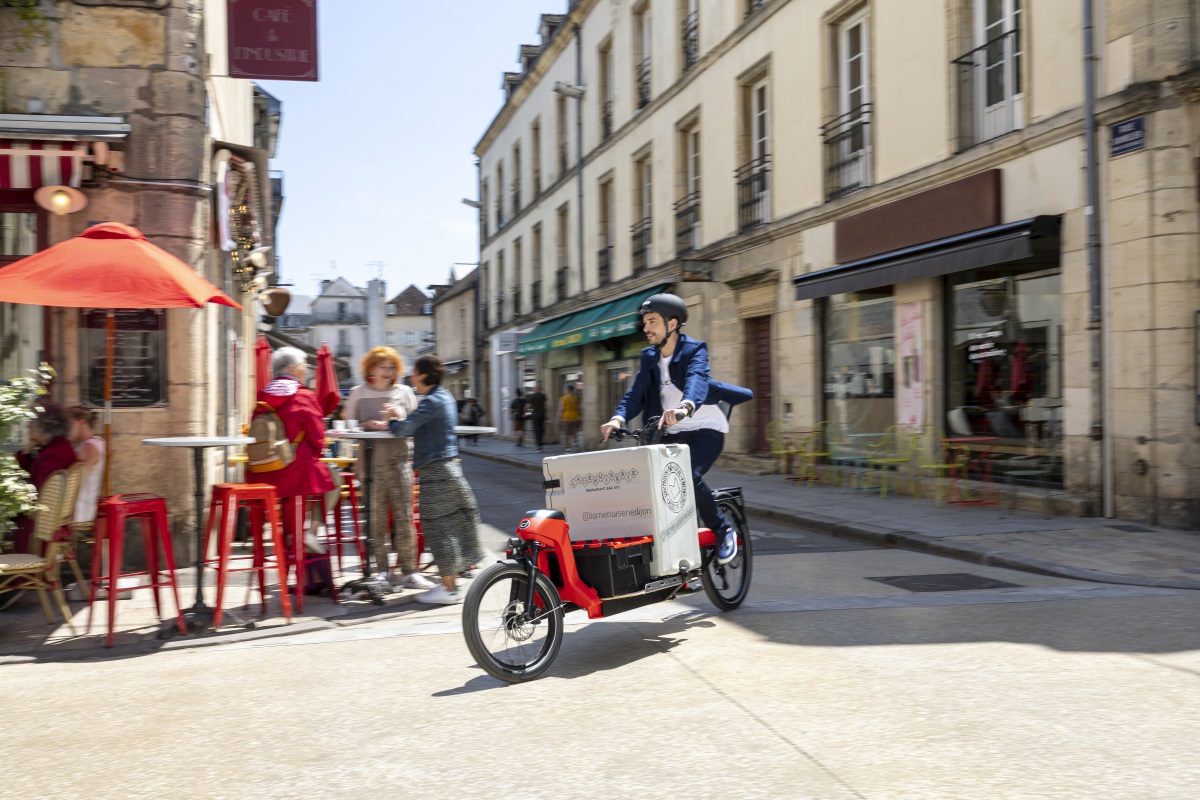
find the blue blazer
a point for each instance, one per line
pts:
(689, 372)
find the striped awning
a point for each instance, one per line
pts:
(31, 163)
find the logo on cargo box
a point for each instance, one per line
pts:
(589, 480)
(674, 487)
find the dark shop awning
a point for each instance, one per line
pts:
(987, 246)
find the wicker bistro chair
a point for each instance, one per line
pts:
(51, 533)
(895, 451)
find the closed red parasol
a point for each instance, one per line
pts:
(262, 363)
(328, 394)
(107, 266)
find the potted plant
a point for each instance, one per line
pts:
(18, 404)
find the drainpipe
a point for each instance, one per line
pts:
(579, 143)
(480, 280)
(1096, 321)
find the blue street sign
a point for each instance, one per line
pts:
(1127, 136)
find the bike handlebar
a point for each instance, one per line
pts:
(643, 434)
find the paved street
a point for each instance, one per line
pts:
(826, 684)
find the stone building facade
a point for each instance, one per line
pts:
(179, 153)
(878, 214)
(455, 311)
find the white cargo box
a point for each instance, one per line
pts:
(632, 491)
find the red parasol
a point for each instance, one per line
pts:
(328, 394)
(107, 266)
(262, 363)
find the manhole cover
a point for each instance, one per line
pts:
(949, 582)
(1130, 528)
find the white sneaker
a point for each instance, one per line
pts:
(415, 580)
(441, 596)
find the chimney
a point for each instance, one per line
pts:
(325, 285)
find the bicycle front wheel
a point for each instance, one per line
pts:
(512, 642)
(728, 584)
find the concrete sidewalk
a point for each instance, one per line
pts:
(1082, 548)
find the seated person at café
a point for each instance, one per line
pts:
(89, 448)
(391, 487)
(46, 451)
(300, 412)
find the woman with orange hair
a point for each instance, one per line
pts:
(391, 487)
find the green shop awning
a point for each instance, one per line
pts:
(614, 318)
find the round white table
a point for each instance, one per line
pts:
(199, 617)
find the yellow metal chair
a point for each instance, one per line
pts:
(783, 446)
(894, 451)
(937, 459)
(23, 571)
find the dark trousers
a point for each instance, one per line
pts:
(705, 447)
(539, 428)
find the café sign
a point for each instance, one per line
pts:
(273, 39)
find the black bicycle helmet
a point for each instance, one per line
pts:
(665, 305)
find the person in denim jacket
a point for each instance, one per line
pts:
(449, 514)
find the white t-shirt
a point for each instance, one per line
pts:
(88, 499)
(702, 418)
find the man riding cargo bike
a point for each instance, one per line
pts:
(620, 528)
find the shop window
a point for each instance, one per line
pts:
(1004, 376)
(860, 358)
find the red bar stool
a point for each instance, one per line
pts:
(151, 513)
(335, 536)
(298, 556)
(260, 500)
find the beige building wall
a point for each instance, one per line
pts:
(1131, 438)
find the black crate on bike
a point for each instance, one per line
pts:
(614, 567)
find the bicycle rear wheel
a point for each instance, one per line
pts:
(511, 642)
(727, 584)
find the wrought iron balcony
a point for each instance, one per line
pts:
(754, 5)
(535, 295)
(641, 244)
(516, 302)
(604, 265)
(754, 193)
(606, 119)
(560, 283)
(643, 83)
(500, 309)
(516, 197)
(687, 224)
(847, 152)
(990, 98)
(562, 157)
(691, 40)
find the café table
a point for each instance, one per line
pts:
(987, 443)
(199, 617)
(376, 586)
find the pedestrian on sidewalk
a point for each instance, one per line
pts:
(392, 483)
(449, 514)
(471, 414)
(568, 416)
(673, 382)
(537, 414)
(518, 410)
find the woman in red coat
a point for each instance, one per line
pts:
(300, 412)
(48, 451)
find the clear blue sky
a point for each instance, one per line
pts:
(377, 155)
